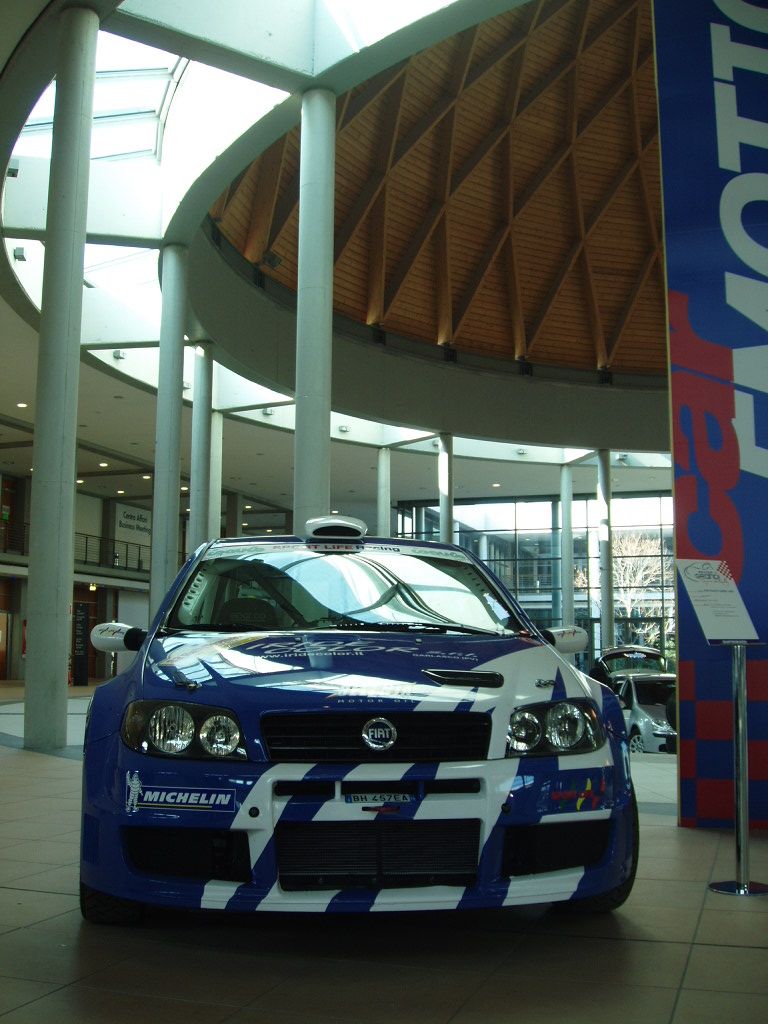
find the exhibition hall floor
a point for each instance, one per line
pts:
(675, 953)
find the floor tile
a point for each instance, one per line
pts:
(356, 991)
(717, 1007)
(15, 993)
(728, 968)
(19, 908)
(91, 1006)
(731, 928)
(582, 1002)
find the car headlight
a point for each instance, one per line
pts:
(182, 730)
(561, 727)
(662, 728)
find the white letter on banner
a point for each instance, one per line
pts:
(750, 370)
(748, 297)
(752, 458)
(727, 55)
(738, 193)
(733, 130)
(745, 14)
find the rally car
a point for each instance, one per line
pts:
(340, 723)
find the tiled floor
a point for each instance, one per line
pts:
(676, 953)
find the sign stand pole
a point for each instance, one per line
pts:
(742, 885)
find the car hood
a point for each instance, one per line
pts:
(320, 670)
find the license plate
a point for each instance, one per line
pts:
(378, 798)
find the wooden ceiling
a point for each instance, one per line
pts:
(498, 193)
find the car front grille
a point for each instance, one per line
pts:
(421, 736)
(376, 854)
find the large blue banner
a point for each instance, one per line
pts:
(712, 61)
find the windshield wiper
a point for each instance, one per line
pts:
(408, 627)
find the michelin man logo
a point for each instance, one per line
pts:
(133, 790)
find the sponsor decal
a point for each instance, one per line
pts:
(588, 798)
(139, 796)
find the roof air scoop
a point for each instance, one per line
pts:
(332, 528)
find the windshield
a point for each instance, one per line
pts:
(285, 587)
(635, 661)
(653, 693)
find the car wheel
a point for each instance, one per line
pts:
(636, 745)
(614, 898)
(101, 908)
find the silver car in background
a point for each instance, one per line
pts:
(647, 693)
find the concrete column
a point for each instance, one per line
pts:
(384, 499)
(566, 544)
(51, 543)
(314, 309)
(445, 486)
(200, 483)
(214, 493)
(557, 579)
(165, 503)
(420, 523)
(605, 547)
(235, 504)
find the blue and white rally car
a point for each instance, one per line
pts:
(341, 723)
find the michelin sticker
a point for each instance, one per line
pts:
(139, 797)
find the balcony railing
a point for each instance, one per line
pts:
(89, 549)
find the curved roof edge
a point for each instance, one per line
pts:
(253, 333)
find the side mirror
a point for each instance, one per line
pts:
(568, 640)
(115, 637)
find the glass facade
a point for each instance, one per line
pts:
(520, 541)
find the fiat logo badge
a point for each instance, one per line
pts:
(379, 734)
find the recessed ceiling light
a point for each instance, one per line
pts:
(79, 481)
(495, 485)
(103, 465)
(22, 405)
(146, 476)
(247, 507)
(185, 488)
(121, 492)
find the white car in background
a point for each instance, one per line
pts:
(647, 692)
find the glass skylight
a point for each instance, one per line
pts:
(134, 84)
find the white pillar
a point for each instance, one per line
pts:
(566, 544)
(51, 544)
(200, 483)
(607, 624)
(556, 563)
(445, 487)
(384, 499)
(214, 499)
(420, 523)
(165, 502)
(314, 309)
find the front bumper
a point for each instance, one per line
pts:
(325, 838)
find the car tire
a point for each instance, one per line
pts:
(608, 901)
(101, 908)
(636, 745)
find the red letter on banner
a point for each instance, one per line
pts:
(706, 449)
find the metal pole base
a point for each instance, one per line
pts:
(737, 889)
